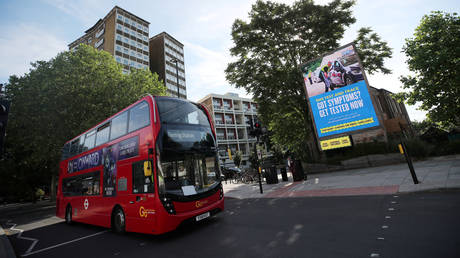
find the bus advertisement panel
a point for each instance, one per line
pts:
(338, 93)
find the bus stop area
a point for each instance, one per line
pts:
(434, 174)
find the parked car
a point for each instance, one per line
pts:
(342, 75)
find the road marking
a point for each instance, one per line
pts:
(61, 244)
(375, 255)
(391, 209)
(316, 180)
(387, 217)
(393, 202)
(19, 236)
(395, 196)
(380, 238)
(384, 226)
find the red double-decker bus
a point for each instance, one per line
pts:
(146, 169)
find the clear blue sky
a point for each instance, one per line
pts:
(39, 29)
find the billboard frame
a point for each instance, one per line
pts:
(349, 133)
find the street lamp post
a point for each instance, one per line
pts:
(175, 60)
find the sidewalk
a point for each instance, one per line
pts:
(434, 173)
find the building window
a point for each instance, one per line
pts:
(100, 42)
(99, 33)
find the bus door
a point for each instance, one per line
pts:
(141, 204)
(90, 201)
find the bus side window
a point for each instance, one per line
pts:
(139, 116)
(119, 126)
(66, 151)
(102, 135)
(74, 147)
(89, 141)
(141, 183)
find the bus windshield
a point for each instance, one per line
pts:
(188, 162)
(189, 174)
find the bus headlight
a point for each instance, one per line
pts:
(168, 205)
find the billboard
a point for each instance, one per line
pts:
(338, 93)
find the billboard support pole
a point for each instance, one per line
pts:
(409, 163)
(403, 149)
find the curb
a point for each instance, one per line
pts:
(6, 250)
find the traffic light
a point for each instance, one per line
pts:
(256, 129)
(4, 109)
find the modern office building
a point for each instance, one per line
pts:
(167, 60)
(124, 35)
(232, 115)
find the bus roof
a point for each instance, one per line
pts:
(110, 117)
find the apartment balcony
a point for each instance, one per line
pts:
(216, 107)
(229, 123)
(238, 110)
(220, 123)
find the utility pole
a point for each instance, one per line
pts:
(256, 130)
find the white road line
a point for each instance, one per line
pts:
(61, 244)
(380, 238)
(384, 226)
(393, 202)
(395, 196)
(19, 236)
(391, 209)
(375, 255)
(387, 217)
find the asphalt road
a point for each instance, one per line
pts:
(406, 225)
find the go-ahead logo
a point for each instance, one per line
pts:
(200, 204)
(143, 212)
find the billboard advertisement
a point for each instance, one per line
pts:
(338, 93)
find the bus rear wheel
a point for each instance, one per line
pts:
(118, 220)
(68, 215)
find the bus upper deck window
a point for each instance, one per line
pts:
(139, 116)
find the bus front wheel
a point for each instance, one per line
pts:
(118, 220)
(68, 215)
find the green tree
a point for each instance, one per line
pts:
(422, 126)
(59, 99)
(269, 49)
(237, 158)
(433, 57)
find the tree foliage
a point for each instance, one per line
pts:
(372, 51)
(59, 99)
(269, 49)
(237, 158)
(433, 57)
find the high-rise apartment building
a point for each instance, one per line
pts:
(167, 60)
(122, 34)
(232, 115)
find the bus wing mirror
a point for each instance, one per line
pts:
(147, 168)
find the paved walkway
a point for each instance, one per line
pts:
(434, 173)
